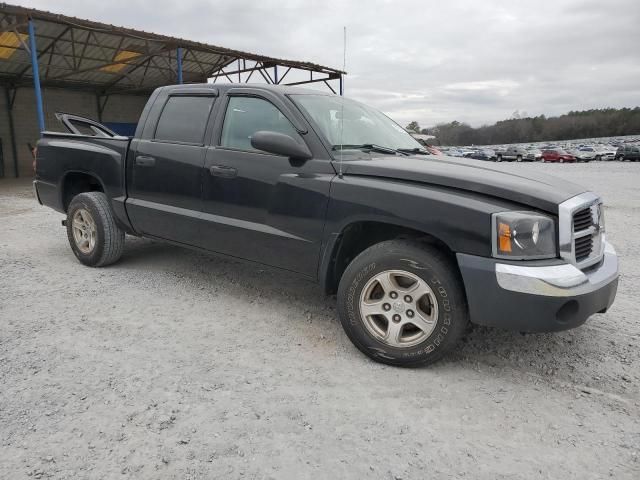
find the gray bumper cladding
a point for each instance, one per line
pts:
(538, 296)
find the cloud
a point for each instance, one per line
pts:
(427, 61)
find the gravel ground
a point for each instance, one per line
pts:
(173, 364)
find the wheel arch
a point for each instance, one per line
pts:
(341, 248)
(74, 182)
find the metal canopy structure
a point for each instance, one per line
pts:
(46, 49)
(77, 53)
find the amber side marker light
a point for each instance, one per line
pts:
(504, 238)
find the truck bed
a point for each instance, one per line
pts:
(64, 154)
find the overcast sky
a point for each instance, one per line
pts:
(430, 61)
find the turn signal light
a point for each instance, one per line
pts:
(504, 237)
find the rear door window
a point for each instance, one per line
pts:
(184, 119)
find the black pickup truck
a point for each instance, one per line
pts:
(414, 245)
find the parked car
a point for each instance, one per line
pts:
(605, 153)
(454, 152)
(583, 154)
(533, 155)
(512, 153)
(557, 155)
(484, 154)
(414, 246)
(628, 152)
(433, 150)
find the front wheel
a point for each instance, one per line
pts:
(519, 158)
(93, 234)
(499, 158)
(402, 303)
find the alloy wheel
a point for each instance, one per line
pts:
(398, 308)
(84, 231)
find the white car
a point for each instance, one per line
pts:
(583, 154)
(605, 152)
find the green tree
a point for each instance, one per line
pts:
(413, 127)
(607, 122)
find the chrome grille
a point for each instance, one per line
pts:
(584, 247)
(582, 219)
(581, 227)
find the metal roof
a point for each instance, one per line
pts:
(78, 53)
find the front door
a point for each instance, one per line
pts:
(257, 205)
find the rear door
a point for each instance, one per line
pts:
(166, 167)
(257, 205)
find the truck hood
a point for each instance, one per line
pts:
(536, 190)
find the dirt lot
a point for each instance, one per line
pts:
(172, 364)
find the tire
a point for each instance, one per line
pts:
(519, 158)
(598, 158)
(442, 300)
(561, 160)
(94, 237)
(499, 158)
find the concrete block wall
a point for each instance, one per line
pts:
(119, 108)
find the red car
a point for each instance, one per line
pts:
(557, 155)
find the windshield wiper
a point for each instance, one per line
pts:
(368, 146)
(417, 150)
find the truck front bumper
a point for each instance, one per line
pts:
(541, 298)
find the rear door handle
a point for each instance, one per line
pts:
(145, 161)
(223, 171)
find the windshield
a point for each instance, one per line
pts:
(352, 124)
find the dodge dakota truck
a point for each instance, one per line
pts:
(415, 246)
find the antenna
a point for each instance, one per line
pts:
(344, 69)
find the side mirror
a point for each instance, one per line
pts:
(280, 144)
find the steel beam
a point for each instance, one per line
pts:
(12, 131)
(36, 76)
(179, 63)
(315, 80)
(101, 104)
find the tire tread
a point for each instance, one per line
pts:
(113, 235)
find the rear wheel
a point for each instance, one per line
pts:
(519, 158)
(402, 303)
(561, 160)
(499, 158)
(93, 234)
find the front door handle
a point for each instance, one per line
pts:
(145, 161)
(223, 171)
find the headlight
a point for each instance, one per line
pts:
(523, 235)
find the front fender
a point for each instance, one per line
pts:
(460, 219)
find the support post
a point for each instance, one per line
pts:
(275, 74)
(341, 86)
(179, 60)
(36, 75)
(99, 107)
(12, 130)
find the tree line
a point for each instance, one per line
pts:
(606, 122)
